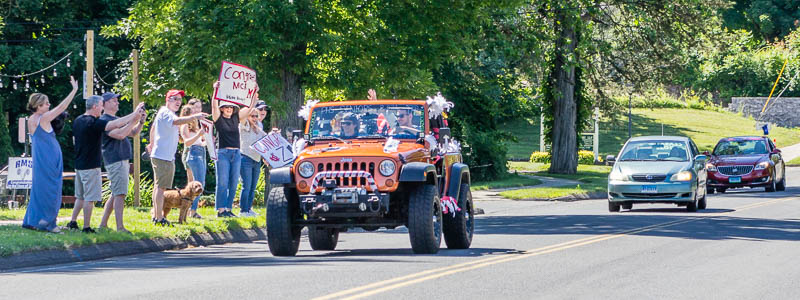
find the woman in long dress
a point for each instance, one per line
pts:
(47, 162)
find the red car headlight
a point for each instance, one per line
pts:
(711, 167)
(762, 165)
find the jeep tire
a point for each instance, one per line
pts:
(458, 229)
(322, 238)
(283, 237)
(425, 219)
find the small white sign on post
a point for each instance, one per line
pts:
(20, 173)
(208, 135)
(274, 149)
(237, 84)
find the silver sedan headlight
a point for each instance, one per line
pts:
(306, 169)
(682, 176)
(617, 176)
(387, 167)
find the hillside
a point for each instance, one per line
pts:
(704, 127)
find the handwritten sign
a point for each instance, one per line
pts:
(275, 149)
(20, 173)
(237, 84)
(208, 134)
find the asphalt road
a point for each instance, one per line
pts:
(745, 246)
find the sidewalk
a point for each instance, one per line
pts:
(790, 152)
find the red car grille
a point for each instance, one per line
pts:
(734, 170)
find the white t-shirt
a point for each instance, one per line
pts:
(165, 140)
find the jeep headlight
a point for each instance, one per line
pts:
(617, 176)
(387, 167)
(682, 176)
(762, 165)
(306, 169)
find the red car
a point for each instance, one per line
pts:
(746, 161)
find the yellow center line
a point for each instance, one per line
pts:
(398, 282)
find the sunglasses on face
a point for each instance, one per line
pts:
(175, 98)
(347, 123)
(402, 115)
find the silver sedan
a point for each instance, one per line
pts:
(658, 169)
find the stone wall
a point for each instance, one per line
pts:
(784, 112)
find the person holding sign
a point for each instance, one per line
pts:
(229, 157)
(194, 150)
(251, 131)
(48, 164)
(162, 148)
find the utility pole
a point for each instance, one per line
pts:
(630, 108)
(137, 140)
(88, 78)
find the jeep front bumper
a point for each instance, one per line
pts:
(345, 202)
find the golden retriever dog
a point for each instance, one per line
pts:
(182, 199)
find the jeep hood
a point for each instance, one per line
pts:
(355, 150)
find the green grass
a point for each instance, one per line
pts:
(14, 239)
(593, 178)
(512, 180)
(19, 214)
(704, 127)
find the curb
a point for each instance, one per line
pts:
(570, 198)
(101, 251)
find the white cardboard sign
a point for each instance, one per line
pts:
(275, 150)
(208, 135)
(20, 173)
(237, 84)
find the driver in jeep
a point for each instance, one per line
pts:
(349, 125)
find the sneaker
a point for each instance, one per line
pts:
(72, 225)
(197, 216)
(88, 230)
(246, 214)
(222, 214)
(230, 214)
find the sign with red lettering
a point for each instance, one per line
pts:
(274, 149)
(237, 84)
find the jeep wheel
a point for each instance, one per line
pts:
(425, 220)
(458, 228)
(283, 238)
(323, 238)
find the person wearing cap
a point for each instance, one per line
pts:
(116, 156)
(350, 126)
(162, 148)
(251, 131)
(229, 156)
(87, 132)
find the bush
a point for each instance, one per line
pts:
(585, 157)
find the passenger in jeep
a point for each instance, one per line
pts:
(349, 125)
(405, 124)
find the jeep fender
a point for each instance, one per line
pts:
(418, 172)
(459, 173)
(280, 176)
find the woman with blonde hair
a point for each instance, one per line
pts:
(47, 162)
(194, 150)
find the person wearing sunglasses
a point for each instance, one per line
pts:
(405, 123)
(349, 125)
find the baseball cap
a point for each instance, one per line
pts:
(109, 95)
(261, 104)
(174, 93)
(226, 103)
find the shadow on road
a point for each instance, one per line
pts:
(405, 252)
(699, 227)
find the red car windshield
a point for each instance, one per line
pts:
(741, 147)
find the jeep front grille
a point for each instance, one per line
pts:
(349, 166)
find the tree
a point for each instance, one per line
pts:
(767, 19)
(327, 47)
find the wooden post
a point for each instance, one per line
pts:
(88, 84)
(137, 142)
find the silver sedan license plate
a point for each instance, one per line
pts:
(649, 189)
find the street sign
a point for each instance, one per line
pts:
(20, 173)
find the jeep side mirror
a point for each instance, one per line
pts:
(296, 134)
(700, 158)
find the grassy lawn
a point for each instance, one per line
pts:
(593, 179)
(794, 162)
(512, 180)
(14, 239)
(704, 127)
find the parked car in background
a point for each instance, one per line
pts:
(746, 161)
(658, 169)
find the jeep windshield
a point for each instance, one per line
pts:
(379, 121)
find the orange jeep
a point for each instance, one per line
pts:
(371, 164)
